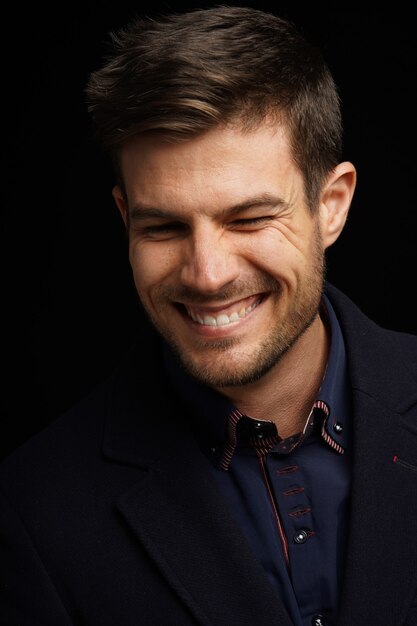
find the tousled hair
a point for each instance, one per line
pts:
(181, 74)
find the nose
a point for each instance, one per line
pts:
(209, 263)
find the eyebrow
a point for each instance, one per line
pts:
(142, 212)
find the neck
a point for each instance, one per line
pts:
(286, 393)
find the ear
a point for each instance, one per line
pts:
(335, 201)
(121, 203)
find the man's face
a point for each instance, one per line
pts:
(226, 257)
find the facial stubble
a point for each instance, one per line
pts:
(222, 370)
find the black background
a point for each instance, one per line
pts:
(69, 306)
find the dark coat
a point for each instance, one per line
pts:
(111, 517)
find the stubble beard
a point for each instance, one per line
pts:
(222, 370)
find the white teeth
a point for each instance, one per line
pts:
(222, 319)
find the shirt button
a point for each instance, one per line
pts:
(318, 620)
(300, 536)
(338, 428)
(259, 427)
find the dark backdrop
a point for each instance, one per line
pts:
(69, 307)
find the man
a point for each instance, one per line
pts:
(253, 461)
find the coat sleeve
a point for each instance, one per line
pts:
(27, 594)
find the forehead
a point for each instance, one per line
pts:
(221, 162)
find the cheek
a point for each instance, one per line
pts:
(284, 256)
(151, 264)
(270, 252)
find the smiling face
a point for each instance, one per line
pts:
(226, 256)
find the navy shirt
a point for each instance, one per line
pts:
(290, 496)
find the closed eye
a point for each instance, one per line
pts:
(250, 223)
(164, 230)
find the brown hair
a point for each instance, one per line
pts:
(184, 73)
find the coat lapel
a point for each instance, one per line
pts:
(381, 574)
(176, 511)
(381, 565)
(182, 522)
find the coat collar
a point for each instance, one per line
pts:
(375, 356)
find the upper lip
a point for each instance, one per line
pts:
(237, 306)
(223, 307)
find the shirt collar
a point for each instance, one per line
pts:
(334, 390)
(215, 414)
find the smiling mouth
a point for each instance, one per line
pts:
(225, 315)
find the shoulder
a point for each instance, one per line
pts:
(381, 362)
(71, 450)
(356, 323)
(67, 440)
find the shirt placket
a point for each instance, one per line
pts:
(262, 447)
(297, 518)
